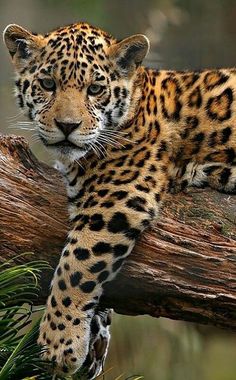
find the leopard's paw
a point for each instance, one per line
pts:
(98, 344)
(65, 342)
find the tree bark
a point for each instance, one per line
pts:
(183, 268)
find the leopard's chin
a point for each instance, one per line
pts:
(69, 154)
(66, 150)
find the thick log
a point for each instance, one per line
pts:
(183, 268)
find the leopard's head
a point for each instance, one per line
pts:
(77, 83)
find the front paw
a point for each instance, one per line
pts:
(65, 341)
(98, 345)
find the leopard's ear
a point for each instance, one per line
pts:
(130, 52)
(20, 42)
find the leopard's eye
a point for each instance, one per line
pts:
(95, 89)
(48, 84)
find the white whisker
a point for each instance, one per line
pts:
(35, 138)
(100, 148)
(109, 137)
(94, 148)
(79, 163)
(116, 139)
(27, 122)
(27, 126)
(105, 138)
(116, 131)
(84, 158)
(114, 134)
(22, 128)
(15, 117)
(110, 142)
(35, 142)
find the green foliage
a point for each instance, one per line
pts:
(19, 353)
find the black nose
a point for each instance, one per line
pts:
(67, 128)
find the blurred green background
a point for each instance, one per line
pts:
(184, 34)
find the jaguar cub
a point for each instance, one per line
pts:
(124, 135)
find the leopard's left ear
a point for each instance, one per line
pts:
(20, 42)
(130, 52)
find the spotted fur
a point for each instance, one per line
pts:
(124, 136)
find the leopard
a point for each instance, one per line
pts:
(124, 135)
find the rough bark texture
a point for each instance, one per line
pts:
(182, 268)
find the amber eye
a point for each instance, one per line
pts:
(95, 89)
(48, 84)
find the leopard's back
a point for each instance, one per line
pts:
(196, 112)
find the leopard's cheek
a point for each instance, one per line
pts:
(30, 97)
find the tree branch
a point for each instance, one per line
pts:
(182, 268)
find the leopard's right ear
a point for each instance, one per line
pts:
(20, 42)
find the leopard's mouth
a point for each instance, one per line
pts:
(64, 145)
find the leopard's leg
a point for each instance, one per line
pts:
(65, 332)
(97, 246)
(217, 175)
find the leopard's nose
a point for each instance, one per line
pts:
(67, 128)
